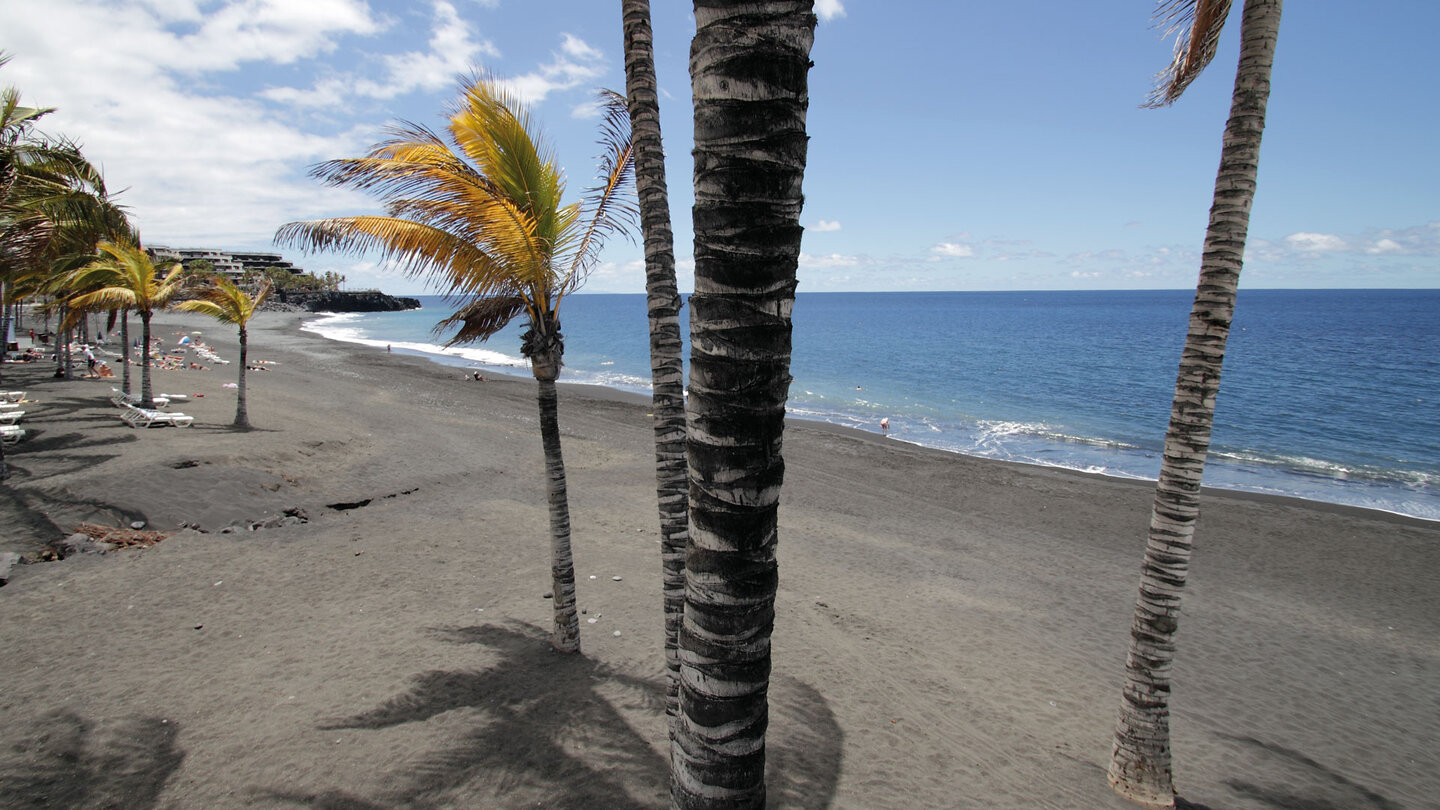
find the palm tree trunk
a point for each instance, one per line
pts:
(663, 305)
(566, 634)
(1140, 767)
(5, 316)
(68, 363)
(147, 400)
(125, 348)
(749, 63)
(242, 416)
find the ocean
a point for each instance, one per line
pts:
(1330, 395)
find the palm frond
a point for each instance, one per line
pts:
(494, 130)
(1197, 25)
(609, 206)
(415, 248)
(481, 318)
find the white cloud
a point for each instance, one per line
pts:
(812, 262)
(953, 249)
(1315, 242)
(829, 9)
(564, 73)
(825, 225)
(577, 48)
(450, 53)
(1384, 246)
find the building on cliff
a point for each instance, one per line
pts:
(230, 263)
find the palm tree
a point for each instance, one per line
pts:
(1140, 767)
(124, 277)
(663, 304)
(487, 222)
(227, 303)
(748, 67)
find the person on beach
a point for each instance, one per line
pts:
(90, 360)
(885, 426)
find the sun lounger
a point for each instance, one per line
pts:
(144, 418)
(9, 406)
(121, 399)
(9, 434)
(10, 417)
(12, 396)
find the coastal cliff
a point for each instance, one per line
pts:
(335, 301)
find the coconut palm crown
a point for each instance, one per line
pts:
(227, 303)
(124, 277)
(485, 220)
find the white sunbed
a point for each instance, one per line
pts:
(121, 399)
(9, 406)
(9, 434)
(144, 418)
(10, 417)
(12, 396)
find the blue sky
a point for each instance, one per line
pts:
(954, 145)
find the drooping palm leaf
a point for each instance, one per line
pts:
(481, 318)
(1197, 25)
(609, 207)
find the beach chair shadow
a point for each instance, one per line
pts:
(68, 761)
(538, 711)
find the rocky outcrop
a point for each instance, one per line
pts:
(334, 301)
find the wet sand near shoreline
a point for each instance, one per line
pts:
(950, 631)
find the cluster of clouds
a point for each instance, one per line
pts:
(1299, 259)
(196, 108)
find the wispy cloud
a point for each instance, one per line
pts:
(451, 52)
(1315, 242)
(953, 249)
(825, 225)
(812, 262)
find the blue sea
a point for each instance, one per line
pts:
(1327, 395)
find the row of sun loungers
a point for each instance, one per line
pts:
(10, 415)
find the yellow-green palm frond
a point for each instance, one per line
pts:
(123, 277)
(417, 249)
(1197, 25)
(609, 206)
(226, 302)
(480, 318)
(415, 161)
(494, 130)
(483, 216)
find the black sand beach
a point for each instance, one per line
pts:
(951, 631)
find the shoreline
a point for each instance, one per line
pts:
(621, 394)
(950, 631)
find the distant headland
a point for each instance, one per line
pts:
(295, 289)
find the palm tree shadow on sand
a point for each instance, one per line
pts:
(65, 760)
(551, 730)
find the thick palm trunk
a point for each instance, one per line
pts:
(663, 305)
(566, 634)
(6, 308)
(67, 363)
(147, 399)
(1140, 767)
(749, 64)
(125, 349)
(242, 416)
